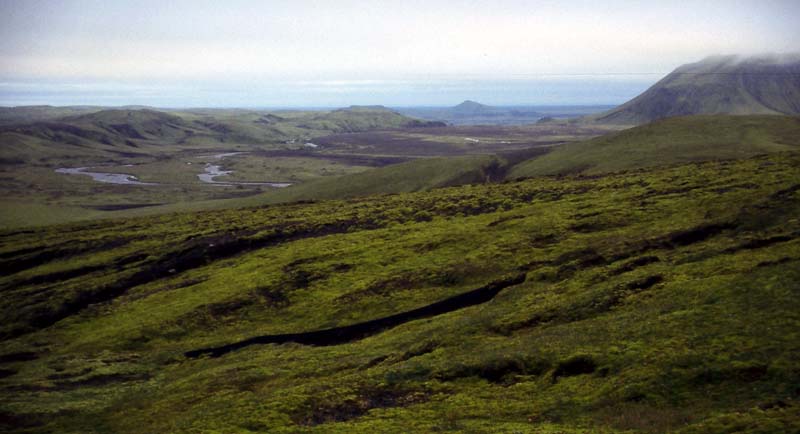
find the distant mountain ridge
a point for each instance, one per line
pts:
(474, 113)
(41, 132)
(471, 112)
(471, 107)
(765, 84)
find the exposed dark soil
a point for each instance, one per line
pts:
(419, 350)
(341, 335)
(19, 421)
(14, 262)
(644, 283)
(503, 370)
(24, 356)
(748, 373)
(695, 235)
(584, 308)
(101, 380)
(634, 264)
(317, 411)
(122, 206)
(59, 276)
(759, 243)
(577, 365)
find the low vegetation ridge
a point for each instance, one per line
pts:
(656, 300)
(669, 141)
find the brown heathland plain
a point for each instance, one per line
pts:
(460, 140)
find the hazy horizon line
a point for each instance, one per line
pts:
(299, 107)
(560, 91)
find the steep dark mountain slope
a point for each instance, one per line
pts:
(669, 141)
(768, 84)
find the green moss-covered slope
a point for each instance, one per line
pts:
(654, 301)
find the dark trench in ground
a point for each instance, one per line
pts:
(353, 332)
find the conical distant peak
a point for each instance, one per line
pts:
(470, 106)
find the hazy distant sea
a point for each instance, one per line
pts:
(548, 91)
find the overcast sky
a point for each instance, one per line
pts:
(301, 52)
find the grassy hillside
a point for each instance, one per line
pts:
(654, 301)
(717, 85)
(36, 113)
(475, 113)
(416, 175)
(131, 133)
(357, 118)
(669, 141)
(113, 133)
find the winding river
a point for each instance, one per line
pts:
(211, 171)
(214, 170)
(108, 178)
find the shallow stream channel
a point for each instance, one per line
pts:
(108, 178)
(210, 173)
(214, 170)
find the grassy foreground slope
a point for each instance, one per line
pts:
(669, 141)
(654, 301)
